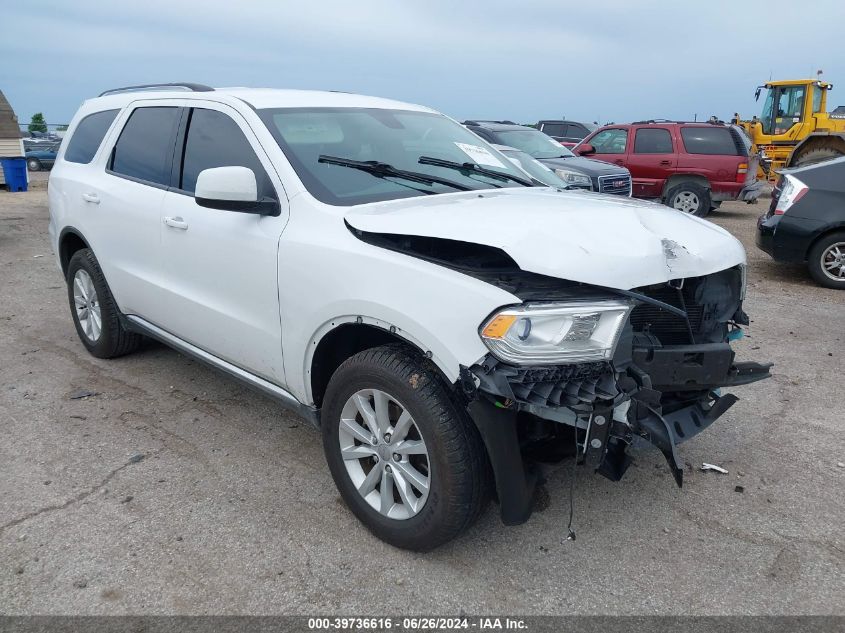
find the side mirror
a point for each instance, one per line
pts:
(584, 149)
(232, 189)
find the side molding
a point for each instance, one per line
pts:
(285, 398)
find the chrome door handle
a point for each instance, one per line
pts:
(91, 197)
(176, 223)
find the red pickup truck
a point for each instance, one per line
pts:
(692, 167)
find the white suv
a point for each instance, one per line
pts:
(448, 323)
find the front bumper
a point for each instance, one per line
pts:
(665, 396)
(751, 192)
(765, 238)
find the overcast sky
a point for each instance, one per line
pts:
(603, 60)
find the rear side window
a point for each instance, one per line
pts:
(145, 148)
(215, 140)
(653, 141)
(554, 129)
(711, 140)
(88, 135)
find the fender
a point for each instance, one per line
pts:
(68, 230)
(450, 372)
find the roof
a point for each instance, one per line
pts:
(8, 121)
(799, 82)
(258, 98)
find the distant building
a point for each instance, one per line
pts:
(11, 144)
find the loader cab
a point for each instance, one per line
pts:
(790, 103)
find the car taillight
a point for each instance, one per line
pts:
(741, 172)
(791, 191)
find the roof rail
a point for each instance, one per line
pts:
(647, 121)
(183, 85)
(479, 121)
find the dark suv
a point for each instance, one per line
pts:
(692, 167)
(581, 173)
(568, 133)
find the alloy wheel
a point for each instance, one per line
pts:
(87, 305)
(833, 261)
(384, 454)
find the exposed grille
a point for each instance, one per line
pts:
(669, 328)
(619, 184)
(566, 385)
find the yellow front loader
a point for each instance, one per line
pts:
(795, 127)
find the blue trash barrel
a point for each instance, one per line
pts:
(14, 171)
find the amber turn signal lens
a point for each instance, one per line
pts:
(499, 326)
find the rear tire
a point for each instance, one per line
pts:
(455, 468)
(689, 197)
(94, 310)
(826, 261)
(33, 164)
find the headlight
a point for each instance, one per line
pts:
(556, 334)
(574, 178)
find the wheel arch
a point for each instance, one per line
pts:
(71, 240)
(343, 337)
(811, 142)
(676, 179)
(830, 229)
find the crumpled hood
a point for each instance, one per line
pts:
(596, 239)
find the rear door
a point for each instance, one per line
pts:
(222, 291)
(652, 160)
(124, 202)
(611, 145)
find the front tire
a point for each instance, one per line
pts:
(826, 261)
(818, 155)
(689, 197)
(407, 460)
(94, 310)
(33, 164)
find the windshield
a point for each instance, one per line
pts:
(533, 142)
(394, 138)
(784, 107)
(534, 168)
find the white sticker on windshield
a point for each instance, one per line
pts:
(480, 155)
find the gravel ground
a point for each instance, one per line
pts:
(174, 490)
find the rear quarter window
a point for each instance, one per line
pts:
(88, 135)
(712, 141)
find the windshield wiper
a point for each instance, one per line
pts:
(384, 170)
(473, 168)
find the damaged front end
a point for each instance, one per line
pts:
(660, 380)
